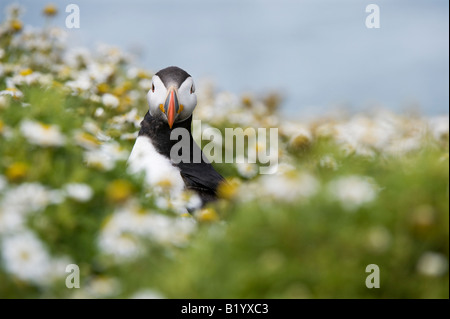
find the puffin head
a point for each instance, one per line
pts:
(172, 95)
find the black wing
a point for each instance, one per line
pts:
(201, 178)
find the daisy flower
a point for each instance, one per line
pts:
(247, 170)
(353, 191)
(290, 185)
(432, 264)
(12, 91)
(42, 134)
(25, 256)
(110, 100)
(79, 192)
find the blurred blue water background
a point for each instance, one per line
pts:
(318, 54)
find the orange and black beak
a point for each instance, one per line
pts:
(171, 106)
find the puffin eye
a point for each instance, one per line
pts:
(192, 89)
(153, 87)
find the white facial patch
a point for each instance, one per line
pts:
(156, 96)
(186, 97)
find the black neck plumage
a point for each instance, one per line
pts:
(159, 133)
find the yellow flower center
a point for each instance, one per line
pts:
(291, 174)
(165, 183)
(103, 88)
(119, 190)
(260, 147)
(118, 91)
(207, 215)
(65, 71)
(24, 255)
(141, 212)
(26, 72)
(46, 127)
(16, 25)
(126, 100)
(127, 85)
(247, 101)
(229, 189)
(86, 137)
(16, 171)
(50, 10)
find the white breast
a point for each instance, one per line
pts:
(158, 169)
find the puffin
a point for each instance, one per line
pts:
(171, 102)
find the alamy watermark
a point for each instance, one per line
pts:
(73, 279)
(373, 19)
(373, 280)
(252, 146)
(73, 18)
